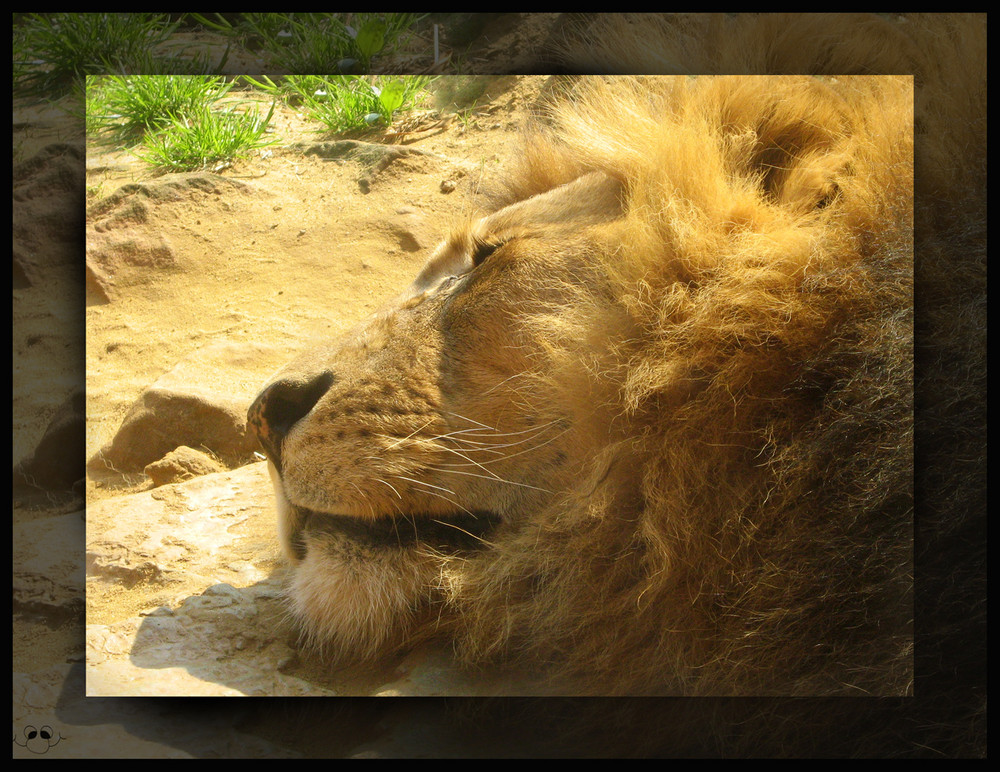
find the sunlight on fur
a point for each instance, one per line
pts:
(664, 388)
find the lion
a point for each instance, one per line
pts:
(647, 423)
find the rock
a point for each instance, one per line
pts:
(99, 285)
(56, 463)
(48, 223)
(368, 153)
(201, 402)
(197, 571)
(55, 168)
(126, 258)
(218, 527)
(202, 559)
(127, 205)
(167, 416)
(48, 203)
(23, 271)
(181, 464)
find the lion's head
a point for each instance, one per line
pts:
(647, 423)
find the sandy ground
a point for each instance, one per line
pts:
(292, 254)
(246, 270)
(292, 249)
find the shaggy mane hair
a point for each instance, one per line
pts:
(774, 287)
(946, 716)
(750, 529)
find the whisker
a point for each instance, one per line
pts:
(494, 477)
(508, 445)
(410, 520)
(535, 447)
(364, 498)
(385, 483)
(457, 528)
(471, 421)
(468, 460)
(463, 431)
(496, 446)
(404, 439)
(497, 433)
(421, 482)
(501, 383)
(494, 451)
(493, 447)
(450, 501)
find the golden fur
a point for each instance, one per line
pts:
(680, 378)
(756, 378)
(674, 366)
(742, 339)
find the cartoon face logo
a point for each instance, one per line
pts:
(38, 740)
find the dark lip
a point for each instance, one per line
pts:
(451, 533)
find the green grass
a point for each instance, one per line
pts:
(206, 139)
(53, 52)
(174, 119)
(124, 109)
(316, 42)
(347, 103)
(175, 122)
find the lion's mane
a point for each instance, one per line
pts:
(946, 54)
(748, 528)
(751, 532)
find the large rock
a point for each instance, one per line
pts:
(201, 403)
(183, 590)
(214, 528)
(48, 209)
(118, 259)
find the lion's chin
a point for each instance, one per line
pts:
(357, 586)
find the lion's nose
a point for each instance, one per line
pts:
(280, 406)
